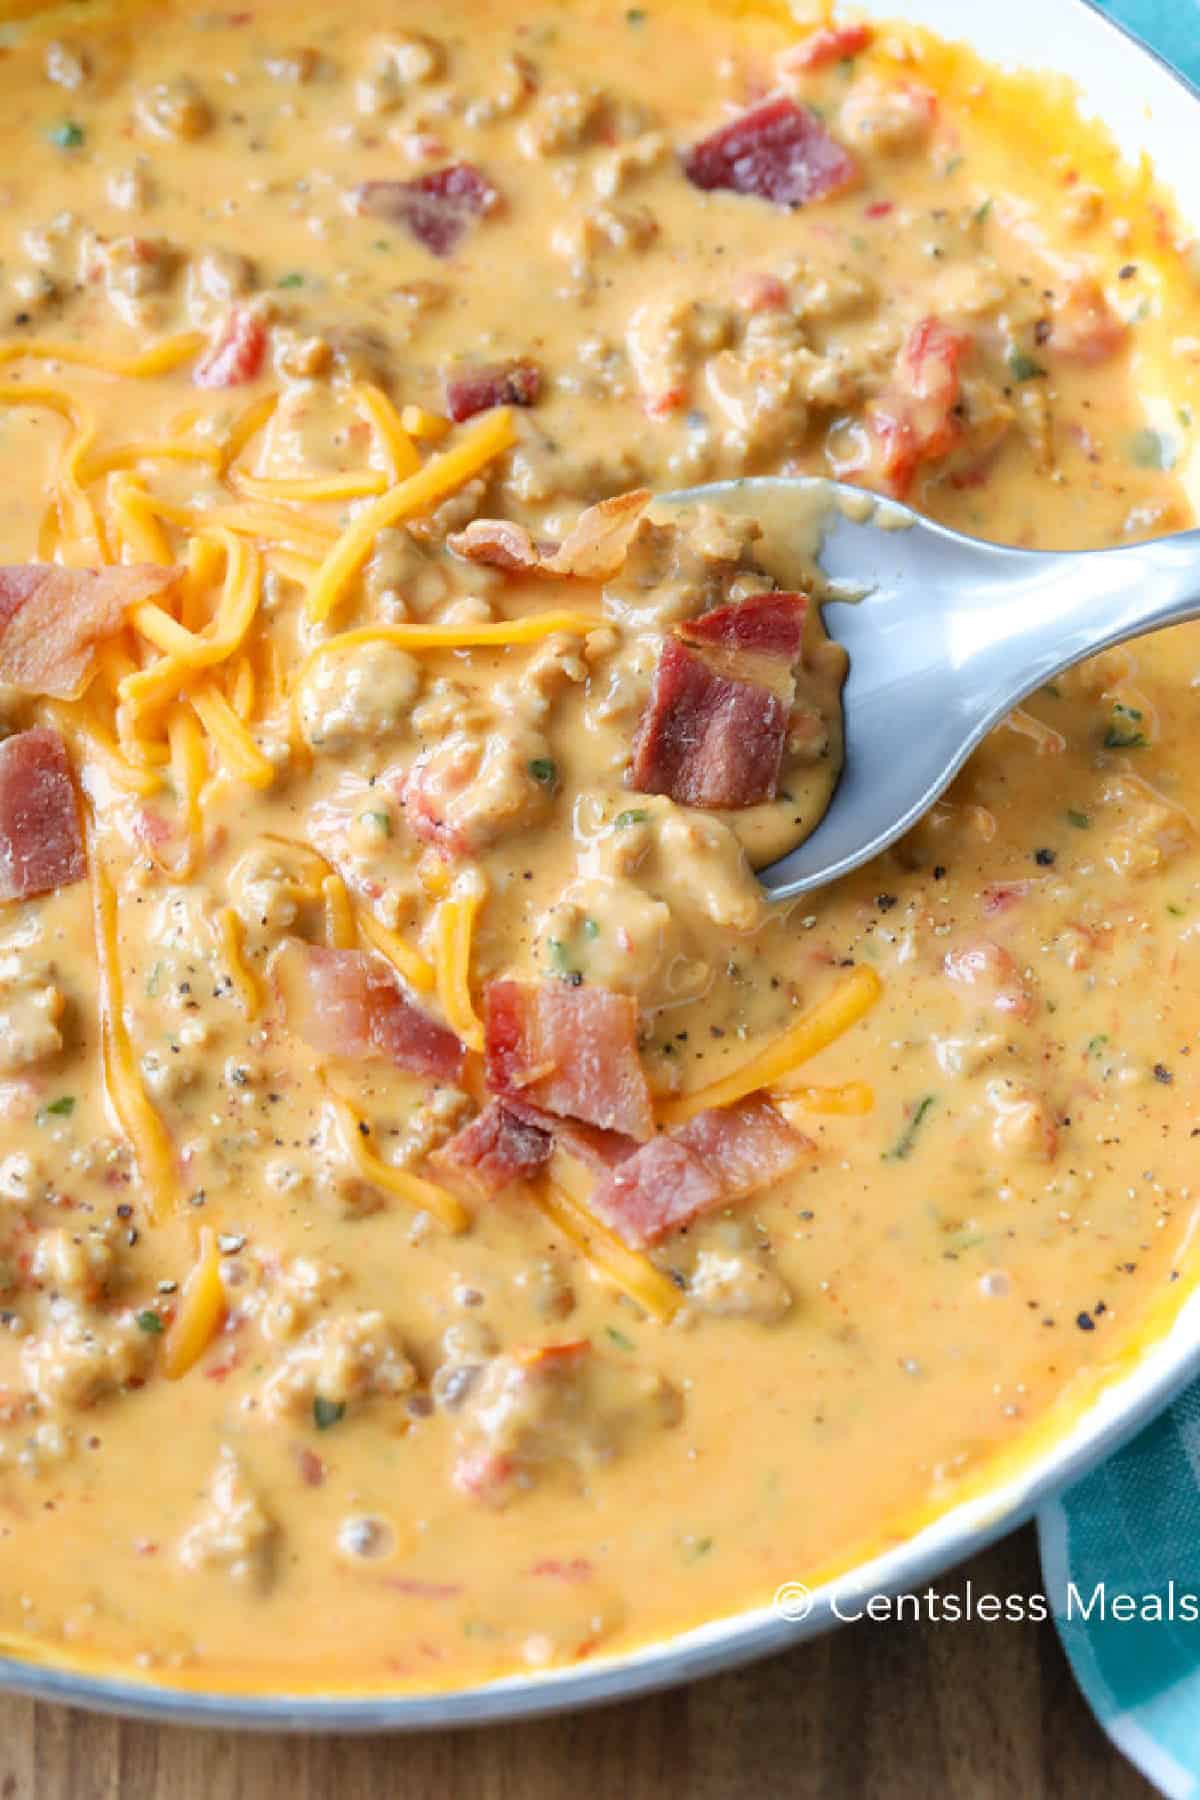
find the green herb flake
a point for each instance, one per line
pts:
(1021, 365)
(693, 1548)
(294, 280)
(1184, 415)
(1124, 731)
(1150, 449)
(67, 136)
(859, 243)
(377, 821)
(63, 1107)
(982, 210)
(1079, 820)
(618, 1338)
(1096, 1044)
(560, 957)
(327, 1412)
(1176, 912)
(544, 770)
(151, 1321)
(902, 1148)
(953, 166)
(633, 815)
(635, 15)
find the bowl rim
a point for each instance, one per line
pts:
(1115, 1414)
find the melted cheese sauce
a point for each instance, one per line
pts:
(997, 1195)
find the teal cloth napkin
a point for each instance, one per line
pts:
(1121, 1549)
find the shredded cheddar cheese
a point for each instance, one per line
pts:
(563, 1201)
(454, 928)
(439, 477)
(250, 990)
(143, 1128)
(201, 1311)
(815, 1029)
(402, 1184)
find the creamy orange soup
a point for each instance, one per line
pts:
(450, 1223)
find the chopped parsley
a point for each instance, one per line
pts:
(67, 136)
(1096, 1044)
(63, 1107)
(294, 280)
(982, 210)
(633, 815)
(903, 1145)
(1021, 365)
(635, 15)
(1124, 729)
(1079, 820)
(327, 1412)
(544, 770)
(150, 1321)
(618, 1338)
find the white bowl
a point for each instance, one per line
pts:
(1147, 108)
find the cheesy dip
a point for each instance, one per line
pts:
(450, 1223)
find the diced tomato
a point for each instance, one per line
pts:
(1085, 327)
(755, 293)
(828, 44)
(914, 420)
(237, 355)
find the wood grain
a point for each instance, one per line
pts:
(906, 1711)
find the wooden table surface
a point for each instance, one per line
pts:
(930, 1710)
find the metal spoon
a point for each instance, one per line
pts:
(949, 635)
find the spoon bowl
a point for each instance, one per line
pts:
(946, 634)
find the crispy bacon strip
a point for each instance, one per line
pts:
(41, 843)
(349, 1003)
(778, 151)
(500, 1146)
(470, 390)
(571, 1051)
(716, 1158)
(52, 619)
(437, 209)
(706, 739)
(592, 550)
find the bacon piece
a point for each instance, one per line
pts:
(237, 355)
(600, 1150)
(594, 548)
(500, 1146)
(438, 209)
(469, 391)
(716, 1158)
(499, 543)
(597, 544)
(914, 420)
(570, 1050)
(770, 624)
(828, 44)
(706, 739)
(348, 1003)
(51, 620)
(779, 151)
(41, 844)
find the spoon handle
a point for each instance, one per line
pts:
(1032, 614)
